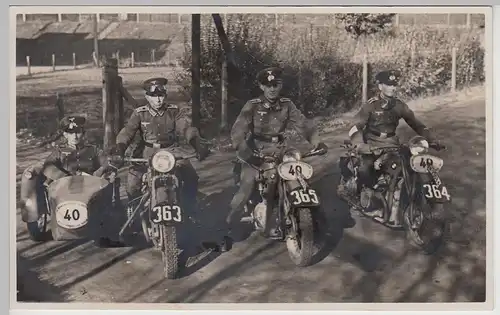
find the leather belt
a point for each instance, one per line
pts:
(382, 134)
(270, 139)
(157, 145)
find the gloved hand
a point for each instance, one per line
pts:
(201, 150)
(363, 148)
(437, 145)
(118, 149)
(321, 146)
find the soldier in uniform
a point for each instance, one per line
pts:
(376, 122)
(260, 125)
(75, 155)
(160, 126)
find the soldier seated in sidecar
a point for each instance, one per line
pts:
(74, 189)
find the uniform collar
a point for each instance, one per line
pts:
(387, 101)
(154, 112)
(268, 105)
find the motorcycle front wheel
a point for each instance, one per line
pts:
(428, 229)
(301, 246)
(170, 252)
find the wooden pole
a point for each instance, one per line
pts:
(110, 74)
(127, 96)
(96, 40)
(28, 64)
(59, 106)
(412, 55)
(120, 119)
(224, 98)
(74, 60)
(365, 78)
(132, 59)
(468, 22)
(196, 71)
(153, 57)
(53, 62)
(453, 69)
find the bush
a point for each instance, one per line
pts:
(323, 64)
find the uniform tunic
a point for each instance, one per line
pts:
(157, 127)
(86, 158)
(379, 118)
(260, 118)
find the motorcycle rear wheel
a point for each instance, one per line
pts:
(430, 233)
(170, 252)
(301, 249)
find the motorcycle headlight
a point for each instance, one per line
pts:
(419, 146)
(292, 155)
(163, 161)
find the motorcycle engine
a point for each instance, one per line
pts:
(259, 214)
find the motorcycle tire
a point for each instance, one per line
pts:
(170, 252)
(38, 230)
(436, 223)
(301, 250)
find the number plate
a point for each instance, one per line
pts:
(435, 192)
(71, 214)
(300, 198)
(419, 163)
(166, 214)
(289, 170)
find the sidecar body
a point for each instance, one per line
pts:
(76, 205)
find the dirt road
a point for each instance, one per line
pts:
(367, 264)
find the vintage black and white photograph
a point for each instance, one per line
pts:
(271, 156)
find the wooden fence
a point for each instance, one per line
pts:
(114, 93)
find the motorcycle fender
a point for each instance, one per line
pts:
(32, 199)
(165, 195)
(433, 192)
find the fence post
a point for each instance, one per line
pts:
(396, 20)
(412, 55)
(28, 64)
(224, 98)
(468, 20)
(74, 60)
(300, 87)
(59, 106)
(453, 69)
(109, 75)
(365, 78)
(132, 59)
(53, 62)
(153, 57)
(120, 121)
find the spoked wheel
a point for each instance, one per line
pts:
(301, 246)
(428, 228)
(170, 251)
